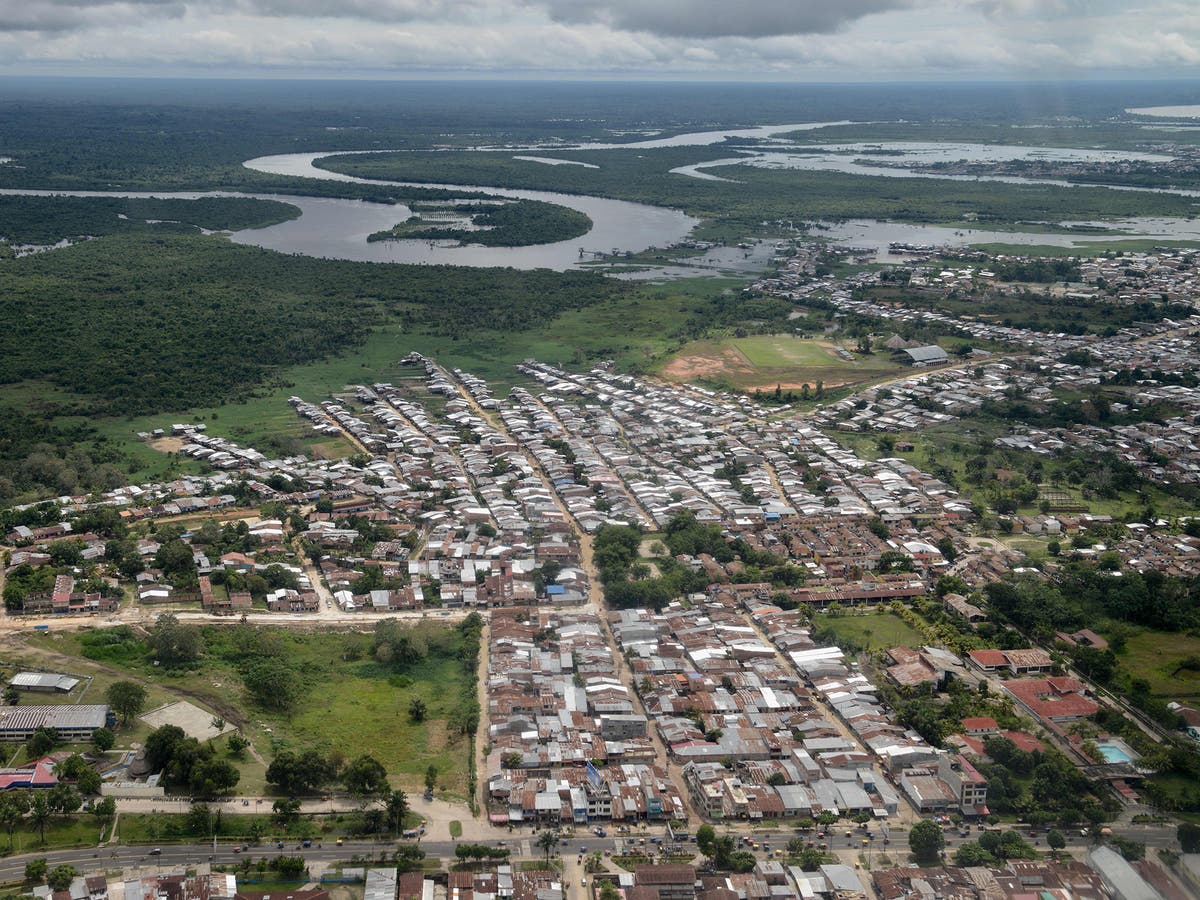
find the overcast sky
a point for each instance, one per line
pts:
(803, 40)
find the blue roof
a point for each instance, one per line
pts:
(555, 589)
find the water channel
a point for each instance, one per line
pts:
(338, 228)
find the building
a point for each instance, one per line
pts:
(381, 884)
(669, 882)
(44, 682)
(964, 779)
(932, 355)
(74, 724)
(1053, 699)
(1119, 876)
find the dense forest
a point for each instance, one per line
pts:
(136, 323)
(47, 220)
(516, 224)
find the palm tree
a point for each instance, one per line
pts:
(548, 840)
(39, 813)
(11, 813)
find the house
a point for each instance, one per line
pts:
(988, 660)
(1017, 662)
(1055, 700)
(977, 726)
(958, 604)
(1085, 637)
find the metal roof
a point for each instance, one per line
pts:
(44, 680)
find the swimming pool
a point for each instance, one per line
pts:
(1115, 753)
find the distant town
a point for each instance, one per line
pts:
(713, 610)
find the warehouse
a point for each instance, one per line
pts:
(44, 682)
(74, 724)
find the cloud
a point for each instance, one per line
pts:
(719, 18)
(838, 40)
(59, 15)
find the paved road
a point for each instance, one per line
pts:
(180, 855)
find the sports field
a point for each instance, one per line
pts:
(764, 361)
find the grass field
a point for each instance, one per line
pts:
(352, 705)
(81, 830)
(763, 361)
(871, 631)
(1155, 656)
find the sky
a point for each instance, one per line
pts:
(778, 40)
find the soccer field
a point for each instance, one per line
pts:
(763, 361)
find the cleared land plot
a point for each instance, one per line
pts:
(1156, 655)
(764, 361)
(194, 721)
(349, 702)
(871, 631)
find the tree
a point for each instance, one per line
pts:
(284, 811)
(105, 810)
(40, 813)
(238, 744)
(365, 777)
(213, 777)
(1055, 840)
(12, 696)
(103, 739)
(416, 710)
(13, 807)
(706, 840)
(127, 698)
(926, 841)
(63, 799)
(43, 741)
(431, 778)
(1189, 837)
(272, 683)
(88, 781)
(971, 854)
(301, 774)
(161, 745)
(397, 809)
(35, 869)
(174, 643)
(810, 859)
(547, 840)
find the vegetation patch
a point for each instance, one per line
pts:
(336, 693)
(47, 220)
(1168, 662)
(870, 632)
(517, 223)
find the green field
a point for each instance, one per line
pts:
(1155, 657)
(348, 703)
(763, 361)
(875, 631)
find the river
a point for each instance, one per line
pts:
(337, 228)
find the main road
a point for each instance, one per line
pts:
(522, 844)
